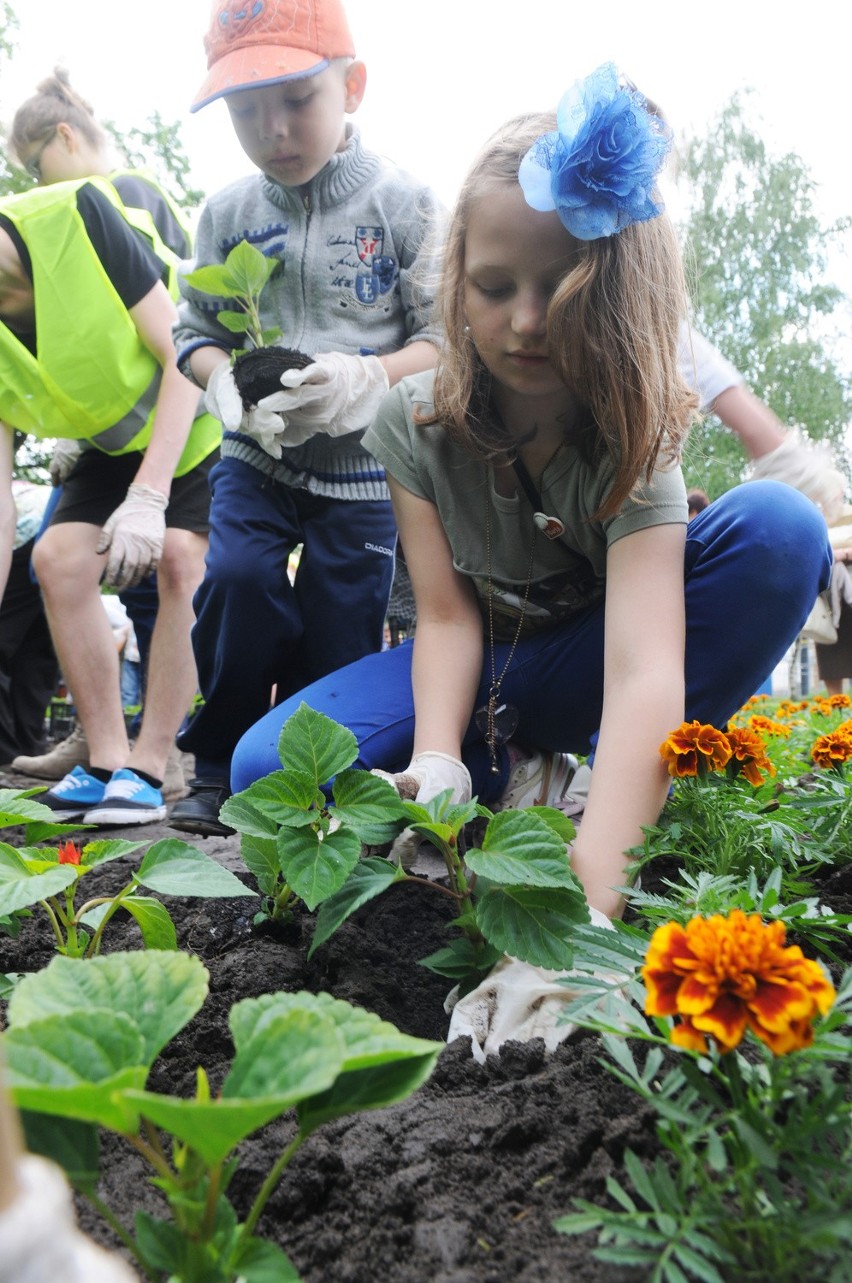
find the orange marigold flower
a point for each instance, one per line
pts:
(766, 726)
(840, 701)
(834, 748)
(694, 749)
(723, 975)
(748, 755)
(68, 853)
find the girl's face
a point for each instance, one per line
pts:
(515, 257)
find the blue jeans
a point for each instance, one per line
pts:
(755, 561)
(254, 629)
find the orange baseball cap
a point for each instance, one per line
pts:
(252, 43)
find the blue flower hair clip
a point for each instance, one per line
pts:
(597, 169)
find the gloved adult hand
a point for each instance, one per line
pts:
(427, 775)
(516, 1002)
(65, 455)
(134, 536)
(807, 467)
(335, 395)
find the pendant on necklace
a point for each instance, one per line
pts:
(496, 723)
(552, 527)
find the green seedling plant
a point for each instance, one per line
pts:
(242, 277)
(50, 877)
(755, 1178)
(304, 840)
(82, 1037)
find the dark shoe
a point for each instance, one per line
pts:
(198, 812)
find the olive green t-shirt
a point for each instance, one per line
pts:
(568, 573)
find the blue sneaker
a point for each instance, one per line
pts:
(74, 795)
(127, 799)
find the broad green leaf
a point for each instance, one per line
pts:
(314, 745)
(260, 856)
(316, 864)
(368, 879)
(519, 849)
(236, 322)
(271, 336)
(282, 797)
(19, 889)
(369, 805)
(77, 1065)
(152, 917)
(257, 1261)
(533, 924)
(162, 992)
(162, 1244)
(298, 1053)
(249, 267)
(213, 279)
(173, 867)
(460, 959)
(557, 820)
(95, 853)
(70, 1143)
(16, 808)
(8, 981)
(377, 1087)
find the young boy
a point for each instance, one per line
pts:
(349, 232)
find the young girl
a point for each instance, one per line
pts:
(544, 518)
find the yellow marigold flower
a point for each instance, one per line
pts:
(766, 726)
(834, 748)
(748, 755)
(723, 975)
(694, 748)
(840, 701)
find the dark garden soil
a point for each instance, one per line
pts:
(257, 373)
(459, 1184)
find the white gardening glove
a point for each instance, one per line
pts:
(335, 395)
(427, 775)
(134, 536)
(807, 467)
(516, 1002)
(222, 399)
(65, 455)
(39, 1239)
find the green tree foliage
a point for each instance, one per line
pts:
(157, 145)
(759, 252)
(12, 179)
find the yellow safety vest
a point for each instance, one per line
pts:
(93, 378)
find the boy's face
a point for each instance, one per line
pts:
(292, 129)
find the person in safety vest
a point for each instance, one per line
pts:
(86, 354)
(55, 136)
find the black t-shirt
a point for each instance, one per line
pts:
(138, 193)
(127, 258)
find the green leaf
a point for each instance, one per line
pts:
(369, 805)
(161, 991)
(236, 322)
(152, 917)
(19, 887)
(562, 826)
(95, 853)
(173, 867)
(314, 745)
(281, 798)
(368, 879)
(8, 980)
(215, 279)
(72, 1144)
(461, 959)
(249, 267)
(17, 808)
(76, 1065)
(316, 864)
(578, 1222)
(260, 856)
(296, 1054)
(257, 1261)
(519, 849)
(533, 924)
(271, 336)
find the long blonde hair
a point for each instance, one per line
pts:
(54, 103)
(612, 329)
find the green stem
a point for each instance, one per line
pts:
(95, 942)
(208, 1223)
(120, 1232)
(48, 906)
(150, 1154)
(433, 886)
(269, 1185)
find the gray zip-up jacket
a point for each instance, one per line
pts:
(355, 247)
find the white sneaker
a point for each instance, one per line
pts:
(537, 779)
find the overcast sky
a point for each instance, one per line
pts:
(444, 73)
